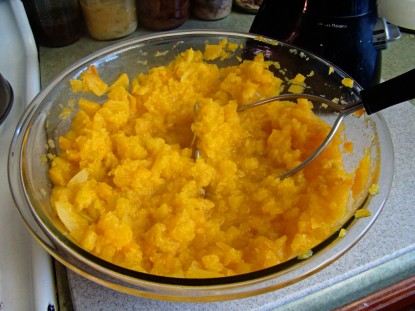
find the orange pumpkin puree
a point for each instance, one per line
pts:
(166, 177)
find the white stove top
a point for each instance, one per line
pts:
(26, 274)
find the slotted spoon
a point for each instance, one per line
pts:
(372, 99)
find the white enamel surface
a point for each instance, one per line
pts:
(26, 275)
(398, 12)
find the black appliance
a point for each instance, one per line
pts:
(348, 33)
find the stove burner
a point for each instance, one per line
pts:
(6, 98)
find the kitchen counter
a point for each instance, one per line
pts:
(385, 255)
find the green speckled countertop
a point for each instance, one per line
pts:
(385, 255)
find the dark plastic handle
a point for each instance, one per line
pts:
(389, 93)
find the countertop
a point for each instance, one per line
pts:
(385, 255)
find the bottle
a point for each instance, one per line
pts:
(162, 14)
(110, 19)
(212, 9)
(54, 23)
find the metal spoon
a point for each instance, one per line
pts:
(373, 99)
(6, 98)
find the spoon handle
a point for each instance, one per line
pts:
(389, 93)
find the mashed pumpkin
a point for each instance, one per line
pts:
(166, 177)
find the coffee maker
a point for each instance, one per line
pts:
(347, 33)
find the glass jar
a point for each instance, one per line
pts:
(212, 9)
(109, 19)
(162, 14)
(54, 23)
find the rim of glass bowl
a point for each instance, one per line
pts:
(181, 289)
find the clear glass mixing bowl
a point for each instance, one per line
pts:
(30, 184)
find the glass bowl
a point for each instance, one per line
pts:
(31, 186)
